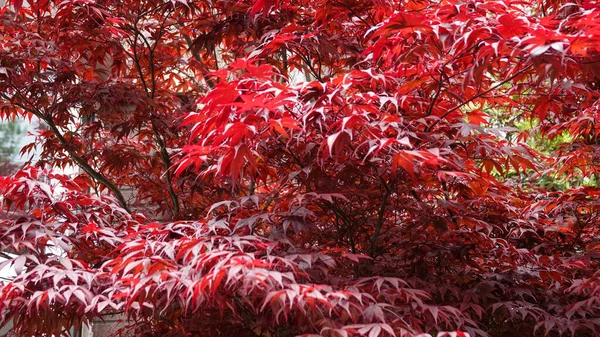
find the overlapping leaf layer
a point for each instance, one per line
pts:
(318, 168)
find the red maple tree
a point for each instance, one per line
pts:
(317, 168)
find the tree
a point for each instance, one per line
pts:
(10, 134)
(392, 193)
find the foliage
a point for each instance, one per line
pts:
(10, 133)
(219, 196)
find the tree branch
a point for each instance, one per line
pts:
(82, 163)
(151, 92)
(380, 220)
(477, 96)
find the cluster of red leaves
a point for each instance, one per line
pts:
(378, 197)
